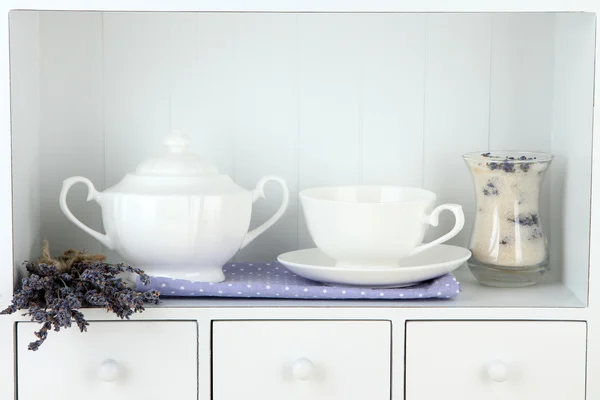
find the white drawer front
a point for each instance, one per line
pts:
(299, 360)
(118, 360)
(495, 360)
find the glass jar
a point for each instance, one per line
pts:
(508, 244)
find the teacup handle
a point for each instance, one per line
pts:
(92, 195)
(259, 192)
(434, 219)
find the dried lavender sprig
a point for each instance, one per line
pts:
(53, 298)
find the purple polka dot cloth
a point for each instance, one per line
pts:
(273, 280)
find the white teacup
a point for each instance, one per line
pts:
(373, 226)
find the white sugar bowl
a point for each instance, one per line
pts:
(176, 216)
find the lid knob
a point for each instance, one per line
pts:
(176, 142)
(177, 162)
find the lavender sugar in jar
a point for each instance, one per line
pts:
(508, 244)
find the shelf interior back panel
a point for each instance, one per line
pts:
(318, 99)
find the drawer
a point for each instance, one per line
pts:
(118, 360)
(293, 360)
(495, 360)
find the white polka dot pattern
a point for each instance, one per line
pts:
(266, 280)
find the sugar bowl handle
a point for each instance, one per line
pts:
(259, 192)
(92, 195)
(433, 220)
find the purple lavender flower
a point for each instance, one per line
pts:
(53, 298)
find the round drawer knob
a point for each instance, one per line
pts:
(498, 371)
(109, 371)
(303, 369)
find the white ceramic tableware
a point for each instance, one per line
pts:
(176, 216)
(313, 264)
(373, 226)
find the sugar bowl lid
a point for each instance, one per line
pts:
(177, 161)
(176, 172)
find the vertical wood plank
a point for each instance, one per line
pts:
(266, 123)
(22, 40)
(184, 82)
(136, 91)
(521, 81)
(392, 54)
(456, 109)
(25, 119)
(71, 137)
(7, 277)
(521, 97)
(329, 150)
(201, 84)
(572, 139)
(213, 79)
(8, 354)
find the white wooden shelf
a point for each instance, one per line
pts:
(544, 295)
(321, 99)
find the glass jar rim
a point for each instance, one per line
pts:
(513, 156)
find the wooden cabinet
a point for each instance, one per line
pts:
(308, 359)
(328, 92)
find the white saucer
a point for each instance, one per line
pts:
(314, 265)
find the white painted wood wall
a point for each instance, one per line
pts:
(25, 121)
(318, 99)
